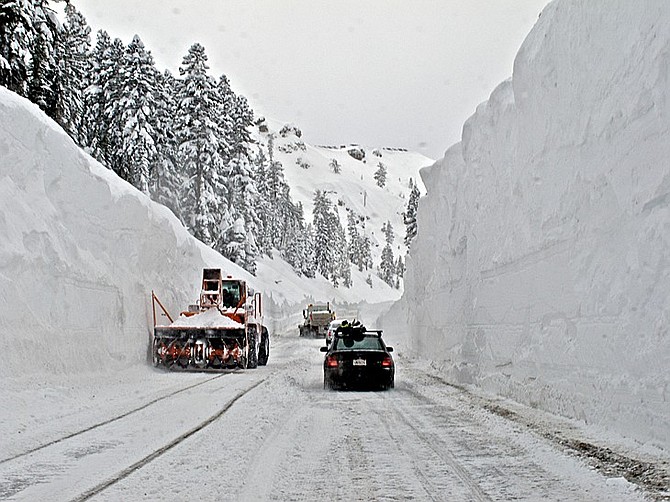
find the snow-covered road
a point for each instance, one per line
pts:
(275, 434)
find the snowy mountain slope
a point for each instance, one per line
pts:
(81, 251)
(355, 187)
(541, 269)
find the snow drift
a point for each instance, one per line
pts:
(542, 267)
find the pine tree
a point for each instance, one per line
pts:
(165, 179)
(137, 109)
(335, 166)
(324, 256)
(343, 262)
(400, 267)
(380, 175)
(368, 280)
(237, 246)
(366, 253)
(264, 209)
(72, 52)
(226, 103)
(243, 119)
(93, 96)
(359, 243)
(16, 31)
(387, 266)
(43, 69)
(387, 230)
(354, 240)
(243, 199)
(409, 216)
(203, 207)
(299, 250)
(103, 123)
(399, 272)
(308, 264)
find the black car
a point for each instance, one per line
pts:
(358, 358)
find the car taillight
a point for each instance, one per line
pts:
(387, 362)
(331, 362)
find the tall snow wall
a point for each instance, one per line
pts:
(80, 252)
(541, 271)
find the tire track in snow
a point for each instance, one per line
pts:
(157, 453)
(108, 421)
(430, 442)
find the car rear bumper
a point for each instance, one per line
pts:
(359, 377)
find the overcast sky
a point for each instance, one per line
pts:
(403, 73)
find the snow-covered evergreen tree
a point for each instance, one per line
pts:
(354, 239)
(137, 109)
(226, 102)
(242, 119)
(165, 178)
(204, 208)
(263, 209)
(16, 32)
(71, 76)
(400, 267)
(387, 266)
(282, 222)
(237, 246)
(307, 264)
(399, 271)
(43, 68)
(380, 175)
(103, 123)
(335, 166)
(366, 253)
(243, 199)
(359, 243)
(409, 216)
(387, 230)
(343, 264)
(324, 229)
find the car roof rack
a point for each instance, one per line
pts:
(344, 331)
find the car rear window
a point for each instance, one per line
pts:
(366, 343)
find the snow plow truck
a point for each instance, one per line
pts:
(317, 318)
(223, 330)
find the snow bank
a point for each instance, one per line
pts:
(81, 251)
(542, 267)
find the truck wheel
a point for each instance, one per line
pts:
(252, 356)
(264, 348)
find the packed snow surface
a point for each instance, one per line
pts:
(210, 318)
(541, 270)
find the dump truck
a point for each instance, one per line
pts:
(224, 329)
(317, 318)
